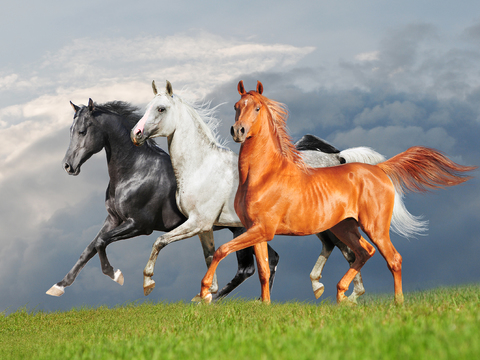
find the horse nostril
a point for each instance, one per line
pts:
(232, 131)
(139, 133)
(242, 130)
(66, 166)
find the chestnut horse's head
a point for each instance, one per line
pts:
(247, 110)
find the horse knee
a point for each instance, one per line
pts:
(220, 253)
(396, 264)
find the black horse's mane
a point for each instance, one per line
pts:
(126, 110)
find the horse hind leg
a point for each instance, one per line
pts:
(316, 273)
(347, 232)
(382, 240)
(349, 255)
(90, 251)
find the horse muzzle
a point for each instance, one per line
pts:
(70, 169)
(138, 137)
(239, 133)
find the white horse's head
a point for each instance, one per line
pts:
(158, 120)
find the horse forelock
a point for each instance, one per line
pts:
(278, 118)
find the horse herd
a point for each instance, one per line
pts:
(273, 187)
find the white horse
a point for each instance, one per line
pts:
(207, 176)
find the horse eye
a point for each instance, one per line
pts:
(258, 108)
(161, 109)
(82, 132)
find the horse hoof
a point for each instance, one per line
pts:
(56, 290)
(352, 299)
(399, 299)
(318, 289)
(207, 299)
(148, 286)
(118, 278)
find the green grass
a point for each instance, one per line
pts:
(439, 324)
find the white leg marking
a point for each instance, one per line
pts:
(118, 277)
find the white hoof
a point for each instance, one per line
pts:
(148, 285)
(207, 299)
(118, 277)
(318, 289)
(56, 290)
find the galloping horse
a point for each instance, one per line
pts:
(279, 194)
(207, 175)
(140, 196)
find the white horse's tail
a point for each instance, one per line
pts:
(362, 154)
(403, 223)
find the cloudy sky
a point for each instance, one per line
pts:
(383, 74)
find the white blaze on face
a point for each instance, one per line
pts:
(246, 101)
(141, 123)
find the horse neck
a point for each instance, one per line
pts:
(260, 154)
(118, 147)
(189, 144)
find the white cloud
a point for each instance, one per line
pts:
(7, 81)
(104, 70)
(368, 56)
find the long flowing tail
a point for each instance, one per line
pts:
(363, 155)
(419, 169)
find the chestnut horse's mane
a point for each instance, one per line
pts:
(279, 115)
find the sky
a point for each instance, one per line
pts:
(383, 74)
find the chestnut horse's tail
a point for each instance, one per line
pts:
(419, 169)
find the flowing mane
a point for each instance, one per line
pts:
(205, 115)
(129, 112)
(278, 118)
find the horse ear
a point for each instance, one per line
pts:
(259, 87)
(241, 88)
(90, 105)
(169, 88)
(75, 107)
(154, 87)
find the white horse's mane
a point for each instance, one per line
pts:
(205, 114)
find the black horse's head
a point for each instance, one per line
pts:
(85, 138)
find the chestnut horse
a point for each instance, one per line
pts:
(279, 194)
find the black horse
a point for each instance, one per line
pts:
(140, 196)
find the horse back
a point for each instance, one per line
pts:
(296, 202)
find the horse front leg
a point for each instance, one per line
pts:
(253, 236)
(261, 254)
(188, 229)
(246, 267)
(208, 246)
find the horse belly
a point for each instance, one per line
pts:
(317, 206)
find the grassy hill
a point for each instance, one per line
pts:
(443, 323)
